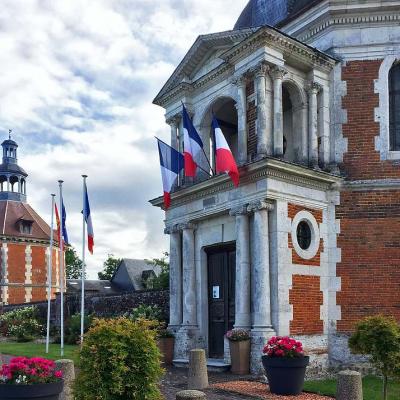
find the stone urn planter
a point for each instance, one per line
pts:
(285, 366)
(30, 378)
(166, 343)
(40, 391)
(239, 346)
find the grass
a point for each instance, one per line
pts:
(39, 350)
(372, 388)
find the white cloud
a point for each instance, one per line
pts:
(77, 80)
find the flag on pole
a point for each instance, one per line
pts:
(171, 163)
(63, 225)
(88, 219)
(224, 160)
(193, 144)
(62, 229)
(57, 223)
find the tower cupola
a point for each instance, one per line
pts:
(12, 176)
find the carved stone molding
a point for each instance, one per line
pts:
(238, 210)
(278, 72)
(260, 205)
(261, 69)
(174, 120)
(171, 229)
(240, 81)
(187, 226)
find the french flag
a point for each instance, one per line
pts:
(88, 219)
(224, 160)
(171, 163)
(193, 144)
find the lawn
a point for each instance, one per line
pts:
(39, 350)
(372, 388)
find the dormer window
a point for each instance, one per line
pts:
(25, 226)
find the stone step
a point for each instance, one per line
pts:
(213, 364)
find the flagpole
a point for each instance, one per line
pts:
(83, 257)
(49, 274)
(60, 182)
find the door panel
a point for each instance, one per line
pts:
(221, 294)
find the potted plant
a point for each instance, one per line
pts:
(239, 346)
(166, 342)
(285, 365)
(30, 378)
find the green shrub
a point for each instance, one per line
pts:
(151, 313)
(73, 327)
(22, 324)
(379, 338)
(119, 360)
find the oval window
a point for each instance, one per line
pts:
(304, 235)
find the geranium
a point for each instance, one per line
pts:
(237, 335)
(283, 346)
(27, 371)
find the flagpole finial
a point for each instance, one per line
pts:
(84, 176)
(9, 134)
(60, 181)
(53, 195)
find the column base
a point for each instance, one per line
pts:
(259, 338)
(186, 339)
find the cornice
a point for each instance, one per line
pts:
(16, 239)
(265, 168)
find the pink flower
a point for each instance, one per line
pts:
(58, 374)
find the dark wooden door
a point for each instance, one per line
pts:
(221, 297)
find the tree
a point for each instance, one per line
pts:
(379, 337)
(73, 264)
(162, 280)
(109, 267)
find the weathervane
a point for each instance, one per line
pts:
(9, 134)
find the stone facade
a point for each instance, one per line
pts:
(315, 218)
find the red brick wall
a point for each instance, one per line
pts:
(39, 272)
(16, 272)
(306, 298)
(293, 209)
(251, 122)
(370, 244)
(362, 161)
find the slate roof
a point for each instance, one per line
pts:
(272, 12)
(13, 211)
(92, 286)
(12, 168)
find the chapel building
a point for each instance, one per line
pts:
(307, 94)
(24, 238)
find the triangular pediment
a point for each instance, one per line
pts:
(203, 56)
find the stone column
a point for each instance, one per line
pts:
(261, 289)
(175, 278)
(173, 122)
(313, 89)
(243, 284)
(264, 111)
(8, 183)
(277, 76)
(241, 107)
(189, 277)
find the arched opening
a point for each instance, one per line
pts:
(3, 183)
(394, 107)
(23, 186)
(225, 112)
(14, 183)
(294, 124)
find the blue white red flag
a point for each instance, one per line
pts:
(193, 144)
(88, 219)
(171, 163)
(224, 160)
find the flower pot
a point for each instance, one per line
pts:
(285, 375)
(40, 391)
(240, 357)
(166, 347)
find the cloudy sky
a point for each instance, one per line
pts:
(77, 82)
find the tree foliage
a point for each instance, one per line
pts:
(119, 360)
(160, 281)
(379, 338)
(109, 267)
(73, 264)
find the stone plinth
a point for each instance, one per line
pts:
(68, 370)
(349, 386)
(197, 376)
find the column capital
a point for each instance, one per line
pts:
(261, 69)
(313, 87)
(240, 80)
(238, 210)
(187, 226)
(173, 120)
(278, 72)
(259, 205)
(170, 229)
